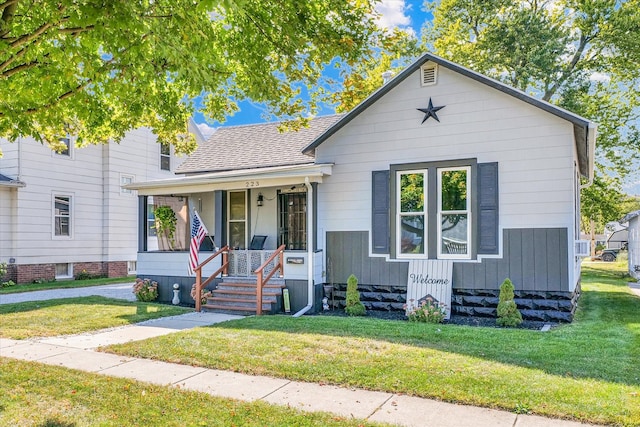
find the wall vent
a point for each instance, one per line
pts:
(428, 74)
(583, 248)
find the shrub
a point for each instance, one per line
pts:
(145, 290)
(353, 305)
(428, 311)
(3, 272)
(84, 275)
(204, 294)
(508, 313)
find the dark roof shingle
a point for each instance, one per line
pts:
(255, 146)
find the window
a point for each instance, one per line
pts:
(131, 267)
(64, 271)
(292, 224)
(454, 231)
(431, 211)
(165, 157)
(411, 213)
(62, 216)
(64, 142)
(237, 215)
(125, 180)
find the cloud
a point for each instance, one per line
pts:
(205, 130)
(394, 14)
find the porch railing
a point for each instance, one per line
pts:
(262, 280)
(224, 267)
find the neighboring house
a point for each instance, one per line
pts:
(632, 220)
(617, 236)
(64, 213)
(441, 168)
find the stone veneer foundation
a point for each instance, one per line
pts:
(534, 305)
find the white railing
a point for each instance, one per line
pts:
(244, 262)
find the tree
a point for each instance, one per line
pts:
(600, 203)
(96, 68)
(583, 55)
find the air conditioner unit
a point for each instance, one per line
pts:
(582, 248)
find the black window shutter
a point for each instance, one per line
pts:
(488, 208)
(380, 212)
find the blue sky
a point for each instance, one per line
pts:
(405, 14)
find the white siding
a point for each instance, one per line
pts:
(104, 220)
(534, 150)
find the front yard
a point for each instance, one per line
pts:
(586, 371)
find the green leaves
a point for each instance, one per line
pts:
(98, 70)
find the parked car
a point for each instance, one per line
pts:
(607, 255)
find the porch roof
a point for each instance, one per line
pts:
(234, 179)
(5, 181)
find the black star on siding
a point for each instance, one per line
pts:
(430, 111)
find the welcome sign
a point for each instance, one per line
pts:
(430, 277)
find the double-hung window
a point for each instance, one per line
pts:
(165, 156)
(412, 213)
(454, 215)
(62, 216)
(433, 210)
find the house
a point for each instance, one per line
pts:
(442, 177)
(617, 235)
(62, 213)
(632, 220)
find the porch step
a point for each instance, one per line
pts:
(240, 297)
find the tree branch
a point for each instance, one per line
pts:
(8, 10)
(22, 67)
(584, 40)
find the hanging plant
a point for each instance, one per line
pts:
(166, 223)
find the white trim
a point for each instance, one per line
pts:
(428, 74)
(424, 214)
(245, 220)
(123, 185)
(70, 196)
(467, 212)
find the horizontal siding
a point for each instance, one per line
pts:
(104, 220)
(534, 150)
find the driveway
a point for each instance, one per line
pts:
(116, 290)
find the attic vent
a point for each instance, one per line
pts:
(429, 74)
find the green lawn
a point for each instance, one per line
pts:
(34, 394)
(76, 315)
(63, 284)
(588, 370)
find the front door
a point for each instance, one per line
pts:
(237, 223)
(292, 220)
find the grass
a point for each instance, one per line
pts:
(588, 370)
(63, 284)
(76, 315)
(41, 395)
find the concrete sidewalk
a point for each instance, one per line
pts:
(117, 290)
(78, 352)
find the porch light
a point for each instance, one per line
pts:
(260, 199)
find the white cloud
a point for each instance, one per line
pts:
(205, 130)
(394, 14)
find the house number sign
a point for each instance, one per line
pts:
(250, 184)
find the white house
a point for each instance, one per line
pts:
(632, 220)
(64, 213)
(441, 169)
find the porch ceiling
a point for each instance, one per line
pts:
(233, 180)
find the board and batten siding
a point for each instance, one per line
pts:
(534, 260)
(104, 220)
(533, 149)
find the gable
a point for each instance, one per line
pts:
(583, 129)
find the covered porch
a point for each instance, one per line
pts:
(253, 214)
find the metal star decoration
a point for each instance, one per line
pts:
(430, 111)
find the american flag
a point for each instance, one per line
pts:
(198, 233)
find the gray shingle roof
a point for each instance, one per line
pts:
(255, 146)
